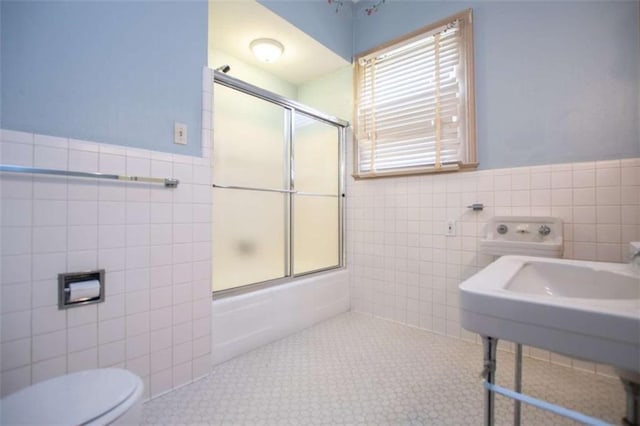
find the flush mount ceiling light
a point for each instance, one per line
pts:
(266, 49)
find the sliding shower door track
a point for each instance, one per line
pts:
(220, 294)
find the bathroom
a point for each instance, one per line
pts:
(98, 86)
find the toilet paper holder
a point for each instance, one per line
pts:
(66, 286)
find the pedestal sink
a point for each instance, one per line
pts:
(587, 310)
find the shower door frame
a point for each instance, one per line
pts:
(291, 107)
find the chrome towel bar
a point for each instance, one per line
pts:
(167, 182)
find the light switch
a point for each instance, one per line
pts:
(180, 133)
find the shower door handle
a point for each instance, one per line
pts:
(249, 188)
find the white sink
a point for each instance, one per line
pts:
(523, 235)
(588, 310)
(562, 280)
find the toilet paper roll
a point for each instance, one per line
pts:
(84, 290)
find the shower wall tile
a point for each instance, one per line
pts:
(402, 266)
(152, 241)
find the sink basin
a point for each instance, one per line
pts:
(587, 310)
(562, 280)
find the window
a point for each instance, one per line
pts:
(415, 102)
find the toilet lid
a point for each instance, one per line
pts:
(73, 399)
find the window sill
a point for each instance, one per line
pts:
(424, 171)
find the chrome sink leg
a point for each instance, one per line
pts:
(489, 345)
(633, 403)
(517, 384)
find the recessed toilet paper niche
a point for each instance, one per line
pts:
(80, 288)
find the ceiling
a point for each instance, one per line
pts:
(234, 24)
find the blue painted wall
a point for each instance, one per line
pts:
(555, 81)
(320, 20)
(117, 72)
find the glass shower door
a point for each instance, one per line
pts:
(251, 200)
(277, 198)
(316, 203)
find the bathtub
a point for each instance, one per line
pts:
(244, 322)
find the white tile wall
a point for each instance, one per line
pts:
(147, 238)
(152, 241)
(403, 267)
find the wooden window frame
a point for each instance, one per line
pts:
(471, 146)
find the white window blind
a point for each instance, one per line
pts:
(413, 103)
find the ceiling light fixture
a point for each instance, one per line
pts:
(266, 49)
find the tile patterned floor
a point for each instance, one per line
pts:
(355, 369)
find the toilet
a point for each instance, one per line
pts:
(106, 396)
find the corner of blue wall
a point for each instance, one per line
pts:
(104, 71)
